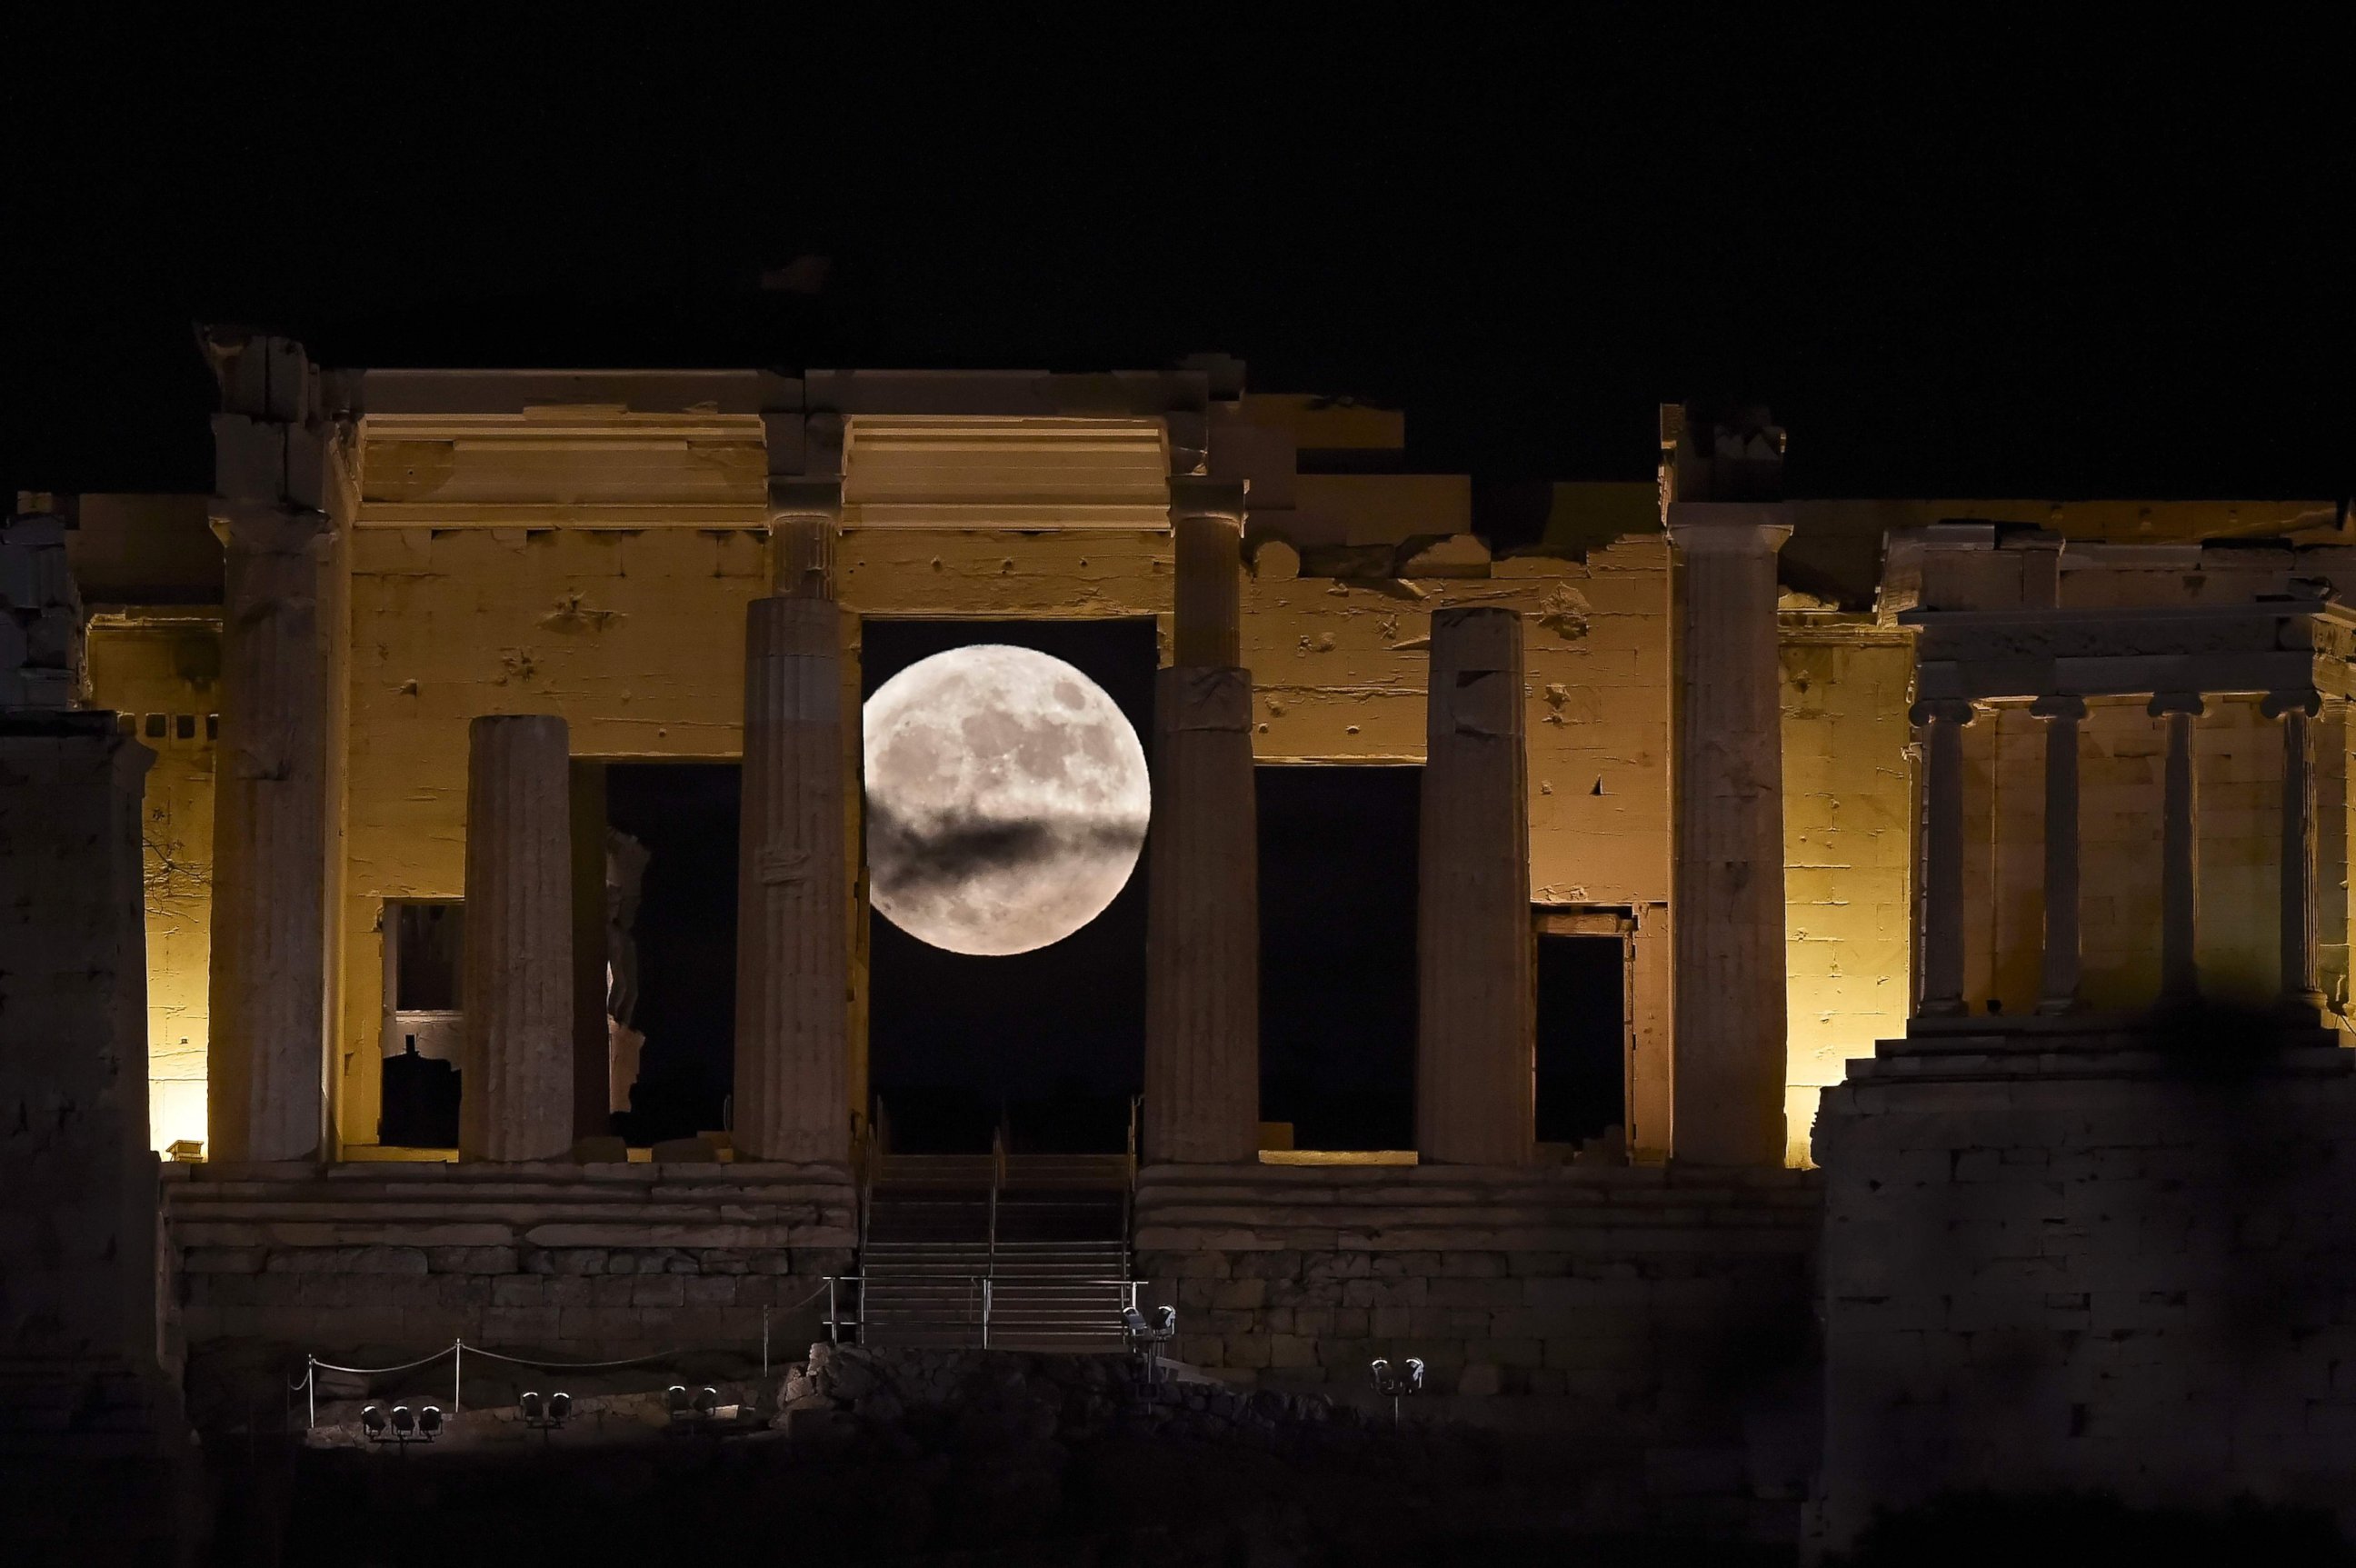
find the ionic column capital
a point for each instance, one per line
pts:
(2302, 700)
(1729, 527)
(1192, 495)
(2163, 703)
(2059, 705)
(1941, 711)
(269, 528)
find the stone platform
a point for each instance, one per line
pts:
(576, 1262)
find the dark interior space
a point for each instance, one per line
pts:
(1338, 888)
(420, 1093)
(1582, 1037)
(1052, 1040)
(684, 814)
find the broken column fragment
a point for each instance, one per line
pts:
(516, 1093)
(1476, 1030)
(1201, 1020)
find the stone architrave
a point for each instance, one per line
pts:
(1728, 882)
(267, 1063)
(793, 885)
(1202, 1028)
(1476, 1028)
(516, 1094)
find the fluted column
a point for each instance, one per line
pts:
(793, 875)
(516, 1091)
(2058, 991)
(1728, 914)
(1202, 1026)
(1941, 723)
(2295, 709)
(1475, 1050)
(267, 1059)
(2179, 960)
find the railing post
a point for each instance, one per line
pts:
(833, 1315)
(985, 1311)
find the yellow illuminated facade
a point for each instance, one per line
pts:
(587, 547)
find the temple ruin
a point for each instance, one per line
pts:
(1963, 887)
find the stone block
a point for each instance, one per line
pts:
(516, 1290)
(718, 1290)
(659, 1290)
(1240, 1293)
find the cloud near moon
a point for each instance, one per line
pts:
(1007, 800)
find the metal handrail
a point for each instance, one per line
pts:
(982, 1285)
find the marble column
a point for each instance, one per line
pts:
(1941, 723)
(515, 1087)
(1201, 1024)
(1727, 885)
(793, 891)
(266, 1096)
(2295, 709)
(2180, 963)
(2058, 989)
(1476, 1025)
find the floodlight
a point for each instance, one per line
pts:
(560, 1406)
(372, 1419)
(676, 1397)
(528, 1406)
(429, 1420)
(707, 1400)
(1165, 1321)
(1132, 1320)
(1414, 1376)
(402, 1421)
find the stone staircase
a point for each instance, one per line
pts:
(1015, 1253)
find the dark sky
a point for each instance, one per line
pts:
(1995, 259)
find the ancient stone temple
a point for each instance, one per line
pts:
(1872, 976)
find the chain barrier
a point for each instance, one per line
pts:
(308, 1383)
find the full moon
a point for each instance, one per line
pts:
(1006, 800)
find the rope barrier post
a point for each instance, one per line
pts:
(457, 1372)
(311, 1390)
(764, 1342)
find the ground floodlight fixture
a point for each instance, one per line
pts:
(1132, 1320)
(1414, 1376)
(676, 1395)
(429, 1420)
(372, 1419)
(560, 1405)
(707, 1400)
(528, 1405)
(403, 1420)
(1165, 1321)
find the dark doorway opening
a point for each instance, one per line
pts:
(1050, 1043)
(420, 1087)
(1583, 1045)
(683, 815)
(1337, 891)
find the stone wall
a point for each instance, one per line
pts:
(2121, 1264)
(1658, 1304)
(573, 1262)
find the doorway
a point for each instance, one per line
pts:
(1047, 1046)
(1337, 917)
(1584, 1032)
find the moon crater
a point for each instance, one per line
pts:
(1007, 800)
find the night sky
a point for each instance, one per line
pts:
(1993, 258)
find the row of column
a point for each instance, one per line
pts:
(1475, 1026)
(1942, 900)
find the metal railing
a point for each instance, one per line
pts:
(980, 1297)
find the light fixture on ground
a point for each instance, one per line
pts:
(1147, 1338)
(401, 1425)
(1396, 1382)
(544, 1415)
